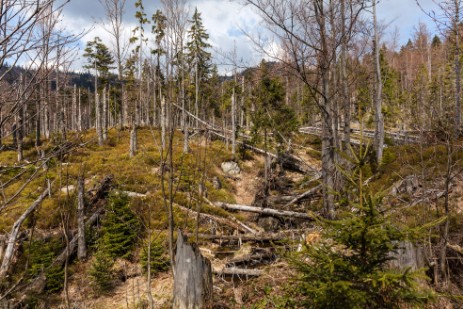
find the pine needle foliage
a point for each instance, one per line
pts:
(120, 228)
(159, 259)
(101, 272)
(350, 267)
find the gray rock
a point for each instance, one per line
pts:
(230, 168)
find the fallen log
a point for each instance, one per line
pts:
(235, 224)
(242, 237)
(304, 195)
(255, 257)
(254, 229)
(234, 271)
(264, 211)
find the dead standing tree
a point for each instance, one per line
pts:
(311, 34)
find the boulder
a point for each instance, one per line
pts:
(230, 168)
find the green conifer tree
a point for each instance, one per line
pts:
(120, 228)
(350, 267)
(99, 58)
(197, 55)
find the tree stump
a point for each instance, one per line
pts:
(193, 277)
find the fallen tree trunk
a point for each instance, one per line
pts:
(251, 237)
(192, 277)
(264, 211)
(255, 257)
(9, 251)
(233, 223)
(234, 271)
(304, 195)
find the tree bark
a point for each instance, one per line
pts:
(81, 247)
(133, 141)
(193, 277)
(379, 119)
(163, 122)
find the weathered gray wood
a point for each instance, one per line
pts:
(234, 271)
(265, 211)
(242, 237)
(9, 251)
(133, 141)
(408, 256)
(192, 277)
(304, 195)
(230, 221)
(81, 247)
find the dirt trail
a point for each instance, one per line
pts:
(246, 185)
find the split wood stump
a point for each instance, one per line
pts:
(193, 277)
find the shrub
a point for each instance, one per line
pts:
(350, 268)
(101, 272)
(159, 261)
(120, 228)
(41, 255)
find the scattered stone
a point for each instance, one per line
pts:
(68, 189)
(230, 168)
(216, 183)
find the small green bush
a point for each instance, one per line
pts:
(159, 260)
(101, 272)
(120, 228)
(41, 255)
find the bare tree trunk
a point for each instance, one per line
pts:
(20, 120)
(456, 27)
(104, 118)
(196, 91)
(328, 138)
(344, 80)
(133, 141)
(233, 122)
(379, 119)
(9, 251)
(163, 122)
(79, 113)
(184, 119)
(81, 245)
(74, 109)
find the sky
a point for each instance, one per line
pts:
(225, 20)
